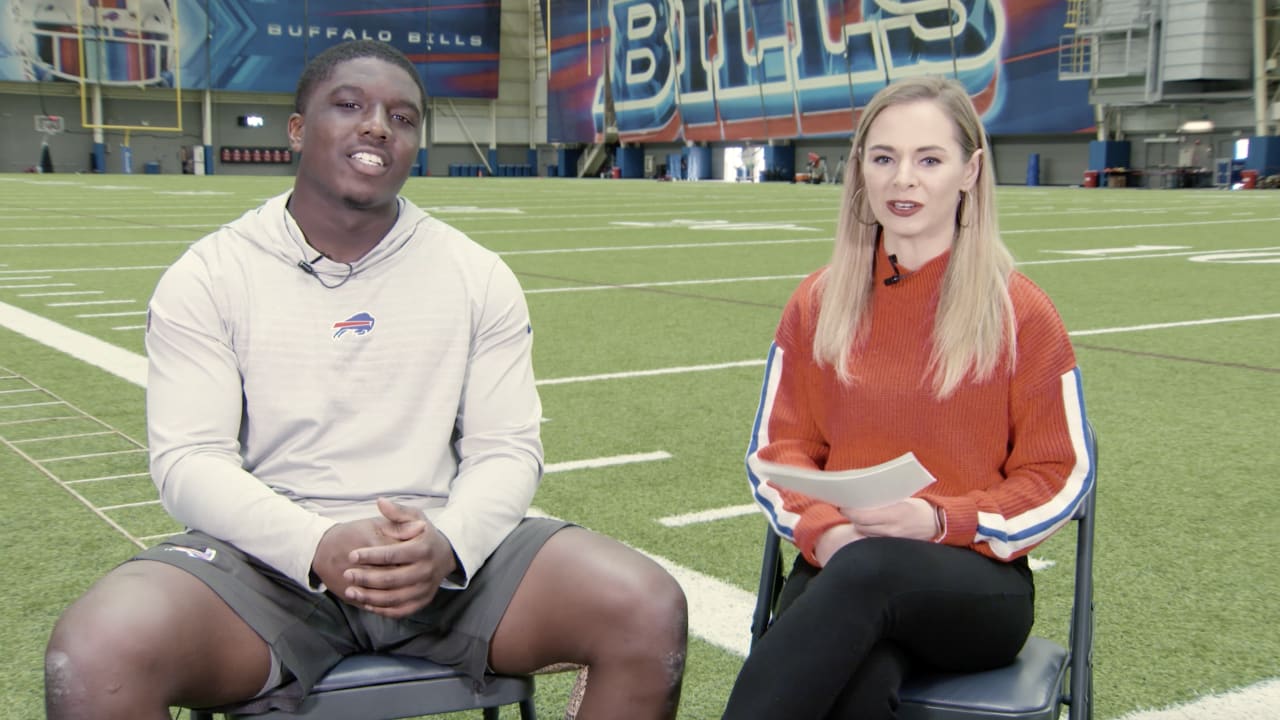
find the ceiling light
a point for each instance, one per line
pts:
(1196, 126)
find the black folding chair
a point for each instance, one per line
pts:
(389, 687)
(1044, 677)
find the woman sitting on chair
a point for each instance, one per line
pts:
(918, 337)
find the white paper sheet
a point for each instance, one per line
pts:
(883, 484)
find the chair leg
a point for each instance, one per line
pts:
(527, 710)
(490, 713)
(575, 696)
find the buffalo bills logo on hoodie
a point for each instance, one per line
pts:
(358, 324)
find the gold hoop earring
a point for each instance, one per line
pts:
(962, 210)
(858, 196)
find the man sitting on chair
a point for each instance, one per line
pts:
(341, 409)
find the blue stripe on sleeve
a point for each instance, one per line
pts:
(767, 504)
(1076, 421)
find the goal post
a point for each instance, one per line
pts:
(101, 34)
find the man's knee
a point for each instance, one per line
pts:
(648, 612)
(112, 644)
(87, 660)
(74, 641)
(63, 683)
(668, 611)
(650, 628)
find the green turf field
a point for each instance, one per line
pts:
(653, 305)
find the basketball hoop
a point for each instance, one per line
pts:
(49, 124)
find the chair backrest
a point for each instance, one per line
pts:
(1080, 695)
(1078, 692)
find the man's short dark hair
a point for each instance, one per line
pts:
(321, 67)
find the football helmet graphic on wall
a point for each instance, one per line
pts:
(112, 42)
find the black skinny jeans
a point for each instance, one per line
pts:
(850, 631)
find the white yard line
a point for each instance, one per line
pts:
(593, 463)
(64, 293)
(29, 405)
(74, 436)
(88, 269)
(1145, 256)
(32, 421)
(143, 503)
(100, 228)
(669, 283)
(82, 303)
(100, 353)
(1256, 702)
(1028, 231)
(1136, 226)
(86, 456)
(108, 477)
(1163, 326)
(724, 513)
(648, 373)
(131, 313)
(672, 246)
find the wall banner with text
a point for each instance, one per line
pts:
(244, 45)
(724, 70)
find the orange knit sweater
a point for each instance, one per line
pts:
(1008, 453)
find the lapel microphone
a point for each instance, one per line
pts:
(307, 267)
(897, 274)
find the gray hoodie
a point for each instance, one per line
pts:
(277, 406)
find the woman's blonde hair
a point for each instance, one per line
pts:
(974, 327)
